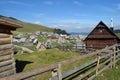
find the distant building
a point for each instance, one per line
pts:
(100, 37)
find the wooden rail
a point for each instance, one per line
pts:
(105, 58)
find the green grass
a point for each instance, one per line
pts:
(38, 59)
(45, 57)
(118, 34)
(110, 74)
(28, 27)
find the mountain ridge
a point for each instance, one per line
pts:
(27, 26)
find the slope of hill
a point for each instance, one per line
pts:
(27, 27)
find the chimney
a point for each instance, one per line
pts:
(111, 28)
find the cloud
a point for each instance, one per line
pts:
(74, 25)
(48, 2)
(74, 28)
(37, 22)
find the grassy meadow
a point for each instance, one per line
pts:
(36, 59)
(118, 34)
(110, 74)
(42, 58)
(26, 26)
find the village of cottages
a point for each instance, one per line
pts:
(46, 40)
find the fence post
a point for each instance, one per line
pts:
(114, 56)
(98, 61)
(54, 73)
(59, 72)
(111, 58)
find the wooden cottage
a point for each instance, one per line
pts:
(100, 37)
(7, 62)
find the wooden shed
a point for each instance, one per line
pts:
(7, 62)
(100, 37)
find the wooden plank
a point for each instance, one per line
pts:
(75, 70)
(98, 62)
(81, 76)
(107, 66)
(59, 72)
(6, 62)
(5, 41)
(114, 57)
(93, 76)
(117, 56)
(4, 35)
(6, 46)
(82, 66)
(31, 73)
(7, 67)
(7, 73)
(5, 52)
(6, 57)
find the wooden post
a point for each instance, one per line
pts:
(98, 61)
(114, 56)
(111, 57)
(59, 72)
(54, 72)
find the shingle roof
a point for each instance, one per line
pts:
(9, 24)
(90, 36)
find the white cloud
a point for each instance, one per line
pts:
(75, 25)
(37, 22)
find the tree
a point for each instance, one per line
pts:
(60, 31)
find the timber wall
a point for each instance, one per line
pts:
(7, 62)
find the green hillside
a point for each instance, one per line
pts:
(27, 27)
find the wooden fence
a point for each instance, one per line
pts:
(105, 58)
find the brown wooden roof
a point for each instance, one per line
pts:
(95, 35)
(9, 25)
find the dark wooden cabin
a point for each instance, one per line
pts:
(7, 62)
(100, 37)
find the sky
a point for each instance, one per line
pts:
(70, 15)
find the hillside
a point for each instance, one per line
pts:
(27, 27)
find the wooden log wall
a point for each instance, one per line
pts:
(7, 62)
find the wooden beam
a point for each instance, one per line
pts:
(5, 41)
(59, 72)
(7, 73)
(5, 52)
(4, 35)
(6, 46)
(98, 62)
(6, 57)
(7, 67)
(6, 62)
